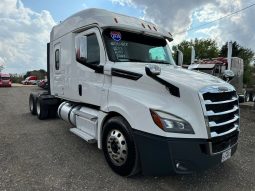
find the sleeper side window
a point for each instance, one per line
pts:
(57, 59)
(93, 50)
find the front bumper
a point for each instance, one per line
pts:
(5, 85)
(164, 156)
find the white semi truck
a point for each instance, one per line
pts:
(113, 78)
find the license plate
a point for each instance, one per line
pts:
(226, 155)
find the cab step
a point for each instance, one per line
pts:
(83, 135)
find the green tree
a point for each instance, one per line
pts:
(204, 48)
(39, 73)
(185, 47)
(246, 54)
(16, 78)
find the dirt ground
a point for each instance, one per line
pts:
(44, 155)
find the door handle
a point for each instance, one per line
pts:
(80, 89)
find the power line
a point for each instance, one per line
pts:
(228, 15)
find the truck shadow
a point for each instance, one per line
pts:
(211, 179)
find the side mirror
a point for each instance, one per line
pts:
(81, 49)
(152, 70)
(179, 60)
(228, 75)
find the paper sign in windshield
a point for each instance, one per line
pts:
(116, 36)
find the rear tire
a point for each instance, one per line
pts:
(253, 97)
(32, 104)
(247, 97)
(41, 109)
(241, 99)
(119, 147)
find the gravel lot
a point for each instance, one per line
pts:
(44, 155)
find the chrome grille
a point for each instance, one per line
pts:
(221, 110)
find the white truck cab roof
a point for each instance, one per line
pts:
(106, 19)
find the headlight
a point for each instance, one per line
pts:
(170, 123)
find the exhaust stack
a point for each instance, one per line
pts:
(193, 53)
(229, 54)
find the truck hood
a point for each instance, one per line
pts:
(176, 75)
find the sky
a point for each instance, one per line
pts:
(26, 24)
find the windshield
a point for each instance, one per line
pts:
(5, 78)
(125, 46)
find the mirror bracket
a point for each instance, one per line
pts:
(228, 75)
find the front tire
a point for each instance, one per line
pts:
(119, 147)
(247, 97)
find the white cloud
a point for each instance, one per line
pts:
(176, 16)
(214, 33)
(207, 13)
(2, 62)
(23, 36)
(239, 27)
(123, 2)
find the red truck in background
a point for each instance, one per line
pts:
(217, 66)
(5, 80)
(30, 80)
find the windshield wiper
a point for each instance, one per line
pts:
(146, 61)
(132, 59)
(159, 62)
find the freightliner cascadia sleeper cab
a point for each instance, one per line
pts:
(113, 78)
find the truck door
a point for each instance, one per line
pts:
(90, 82)
(58, 70)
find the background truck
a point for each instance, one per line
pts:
(113, 78)
(30, 80)
(217, 67)
(5, 80)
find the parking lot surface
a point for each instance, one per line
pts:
(44, 155)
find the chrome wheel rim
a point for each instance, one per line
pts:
(117, 147)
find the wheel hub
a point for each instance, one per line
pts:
(117, 147)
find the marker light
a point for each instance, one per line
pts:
(149, 27)
(115, 19)
(143, 25)
(157, 119)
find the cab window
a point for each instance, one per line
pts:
(157, 54)
(57, 59)
(93, 50)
